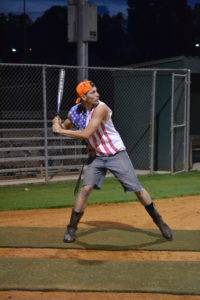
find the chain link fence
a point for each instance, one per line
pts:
(141, 104)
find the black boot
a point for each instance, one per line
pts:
(164, 228)
(69, 236)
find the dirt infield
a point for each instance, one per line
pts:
(179, 213)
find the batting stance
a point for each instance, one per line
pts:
(92, 119)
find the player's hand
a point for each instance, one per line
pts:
(57, 119)
(56, 124)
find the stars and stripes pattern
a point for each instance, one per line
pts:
(78, 116)
(105, 140)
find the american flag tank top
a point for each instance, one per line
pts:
(105, 140)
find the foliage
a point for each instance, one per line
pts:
(153, 29)
(160, 29)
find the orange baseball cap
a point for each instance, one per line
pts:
(82, 88)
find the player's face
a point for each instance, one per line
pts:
(92, 97)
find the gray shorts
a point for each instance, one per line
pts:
(119, 165)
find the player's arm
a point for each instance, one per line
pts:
(67, 124)
(101, 113)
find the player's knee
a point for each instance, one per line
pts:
(86, 190)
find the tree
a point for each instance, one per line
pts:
(159, 28)
(154, 29)
(112, 41)
(196, 31)
(48, 38)
(13, 33)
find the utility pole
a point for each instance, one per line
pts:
(82, 28)
(24, 31)
(82, 46)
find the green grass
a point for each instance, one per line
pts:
(61, 194)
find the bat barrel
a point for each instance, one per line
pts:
(60, 89)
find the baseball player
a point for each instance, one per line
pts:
(92, 119)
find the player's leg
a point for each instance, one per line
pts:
(121, 166)
(144, 197)
(94, 173)
(81, 200)
(77, 213)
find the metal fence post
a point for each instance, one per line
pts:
(45, 122)
(172, 126)
(152, 123)
(188, 120)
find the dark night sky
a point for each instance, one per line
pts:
(36, 8)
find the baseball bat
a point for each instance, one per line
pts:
(60, 89)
